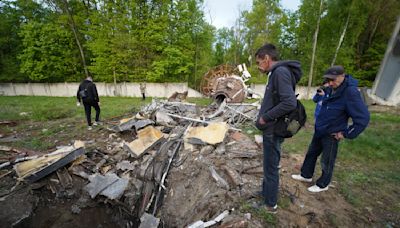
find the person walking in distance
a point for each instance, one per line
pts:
(279, 99)
(143, 90)
(87, 94)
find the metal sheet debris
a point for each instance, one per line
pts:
(131, 123)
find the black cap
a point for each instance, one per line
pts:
(334, 72)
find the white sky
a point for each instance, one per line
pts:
(223, 13)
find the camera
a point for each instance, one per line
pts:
(321, 89)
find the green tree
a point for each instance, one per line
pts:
(12, 15)
(48, 54)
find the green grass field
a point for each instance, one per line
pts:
(367, 168)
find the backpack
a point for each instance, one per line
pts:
(289, 124)
(84, 93)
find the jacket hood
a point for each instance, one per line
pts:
(293, 65)
(350, 81)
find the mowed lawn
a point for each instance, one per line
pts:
(367, 171)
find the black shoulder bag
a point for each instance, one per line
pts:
(289, 124)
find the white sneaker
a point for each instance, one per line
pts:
(299, 177)
(89, 128)
(316, 189)
(95, 123)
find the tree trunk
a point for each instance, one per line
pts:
(310, 77)
(341, 40)
(74, 30)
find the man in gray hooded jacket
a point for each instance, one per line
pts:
(279, 99)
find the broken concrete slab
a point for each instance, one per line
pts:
(218, 219)
(99, 182)
(109, 185)
(149, 221)
(212, 134)
(163, 119)
(125, 165)
(147, 137)
(115, 190)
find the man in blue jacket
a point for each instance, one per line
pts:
(279, 99)
(331, 126)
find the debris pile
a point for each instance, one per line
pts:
(139, 164)
(172, 164)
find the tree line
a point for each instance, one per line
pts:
(170, 41)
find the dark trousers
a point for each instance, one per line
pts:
(272, 156)
(88, 111)
(328, 146)
(143, 96)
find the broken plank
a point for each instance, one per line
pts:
(45, 167)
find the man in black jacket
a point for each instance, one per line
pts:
(279, 99)
(87, 92)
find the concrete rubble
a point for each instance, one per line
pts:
(152, 157)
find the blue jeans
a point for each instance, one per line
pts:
(328, 146)
(272, 156)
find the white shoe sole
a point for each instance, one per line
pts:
(311, 189)
(302, 179)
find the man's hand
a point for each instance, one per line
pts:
(338, 136)
(98, 103)
(261, 121)
(78, 104)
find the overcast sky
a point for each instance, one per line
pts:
(223, 13)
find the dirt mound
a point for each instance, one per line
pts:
(194, 195)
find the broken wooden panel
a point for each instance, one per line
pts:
(40, 167)
(65, 178)
(212, 134)
(147, 137)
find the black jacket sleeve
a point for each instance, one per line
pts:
(95, 94)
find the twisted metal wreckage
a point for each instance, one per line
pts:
(133, 170)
